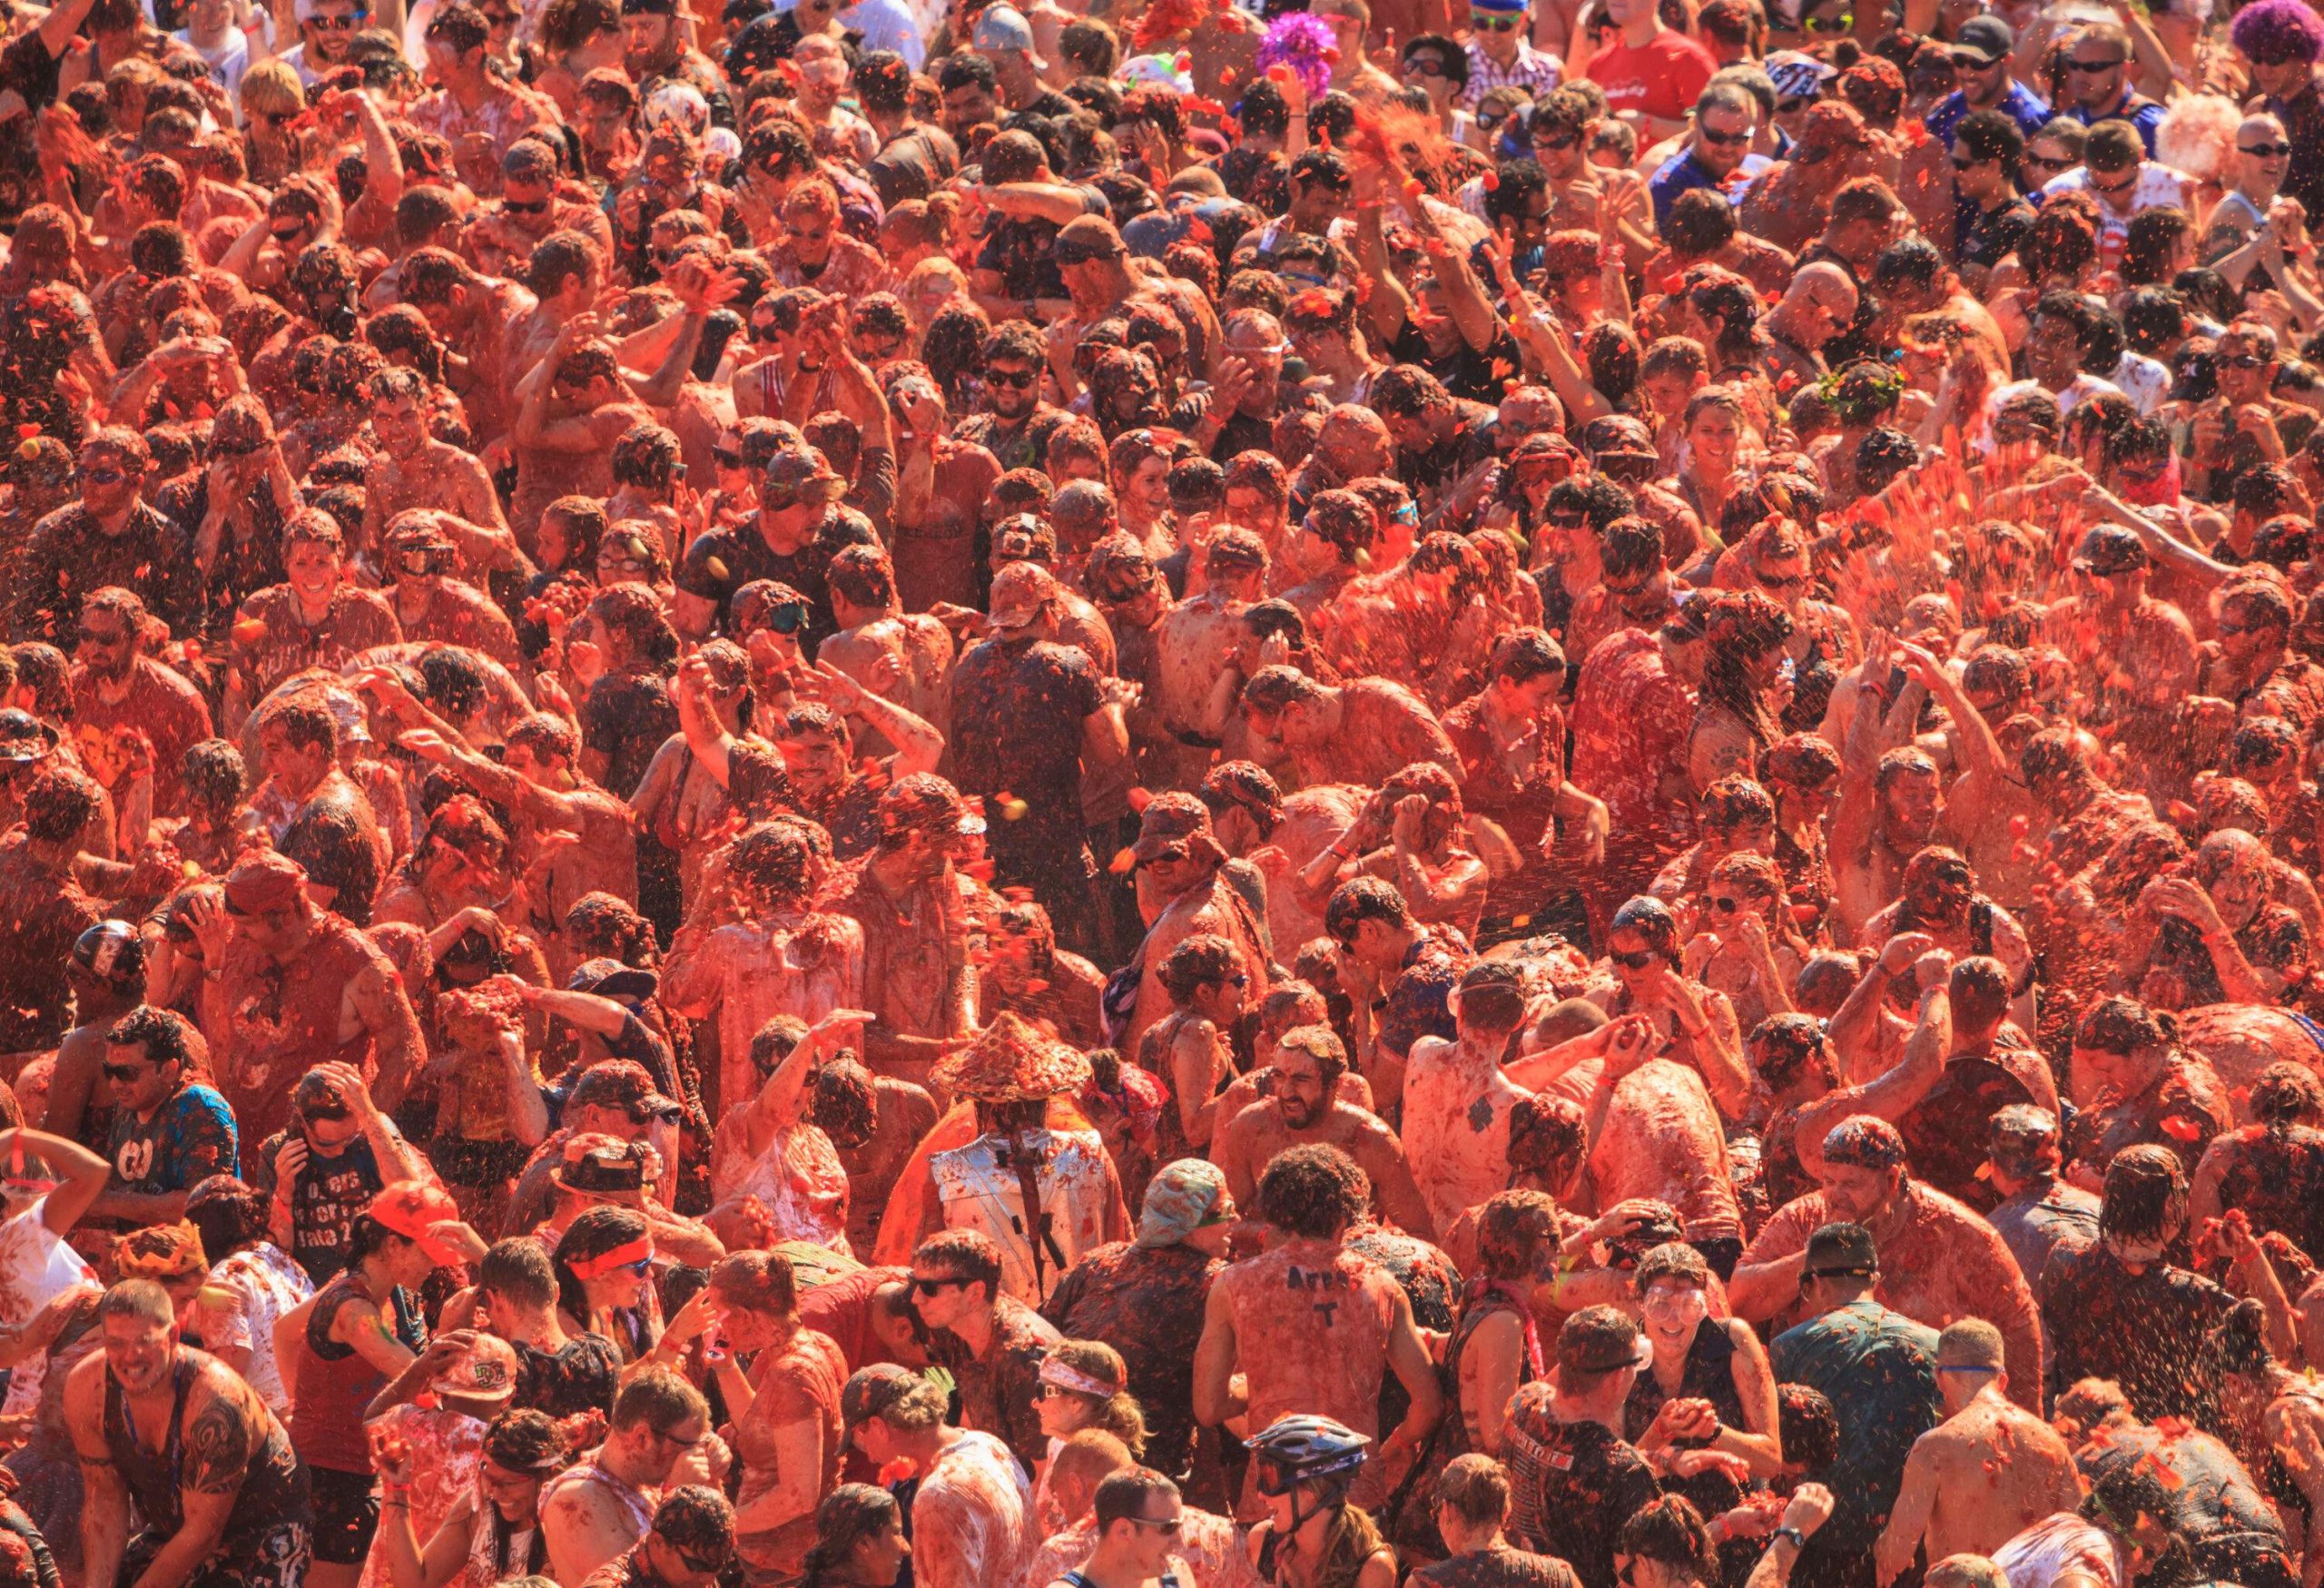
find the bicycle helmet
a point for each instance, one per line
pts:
(1302, 1449)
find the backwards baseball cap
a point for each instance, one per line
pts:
(1795, 74)
(1983, 40)
(1601, 1339)
(1002, 29)
(1085, 237)
(484, 1371)
(1840, 1248)
(871, 1391)
(609, 978)
(623, 1083)
(410, 1209)
(2110, 549)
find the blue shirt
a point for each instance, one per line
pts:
(2020, 104)
(1682, 173)
(1878, 1369)
(190, 1138)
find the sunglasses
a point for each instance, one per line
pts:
(533, 207)
(1727, 139)
(1167, 1529)
(120, 1071)
(90, 636)
(726, 456)
(921, 1287)
(1638, 960)
(2264, 151)
(1840, 24)
(639, 1268)
(2243, 361)
(1495, 24)
(1015, 380)
(339, 24)
(2044, 162)
(786, 618)
(2095, 68)
(1725, 906)
(102, 476)
(1426, 66)
(1565, 138)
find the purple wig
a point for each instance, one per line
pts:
(2273, 31)
(1298, 41)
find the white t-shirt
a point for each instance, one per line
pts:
(2045, 1551)
(2158, 186)
(36, 1268)
(264, 1283)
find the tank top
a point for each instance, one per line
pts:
(1708, 1375)
(273, 1491)
(335, 1384)
(499, 1548)
(636, 1504)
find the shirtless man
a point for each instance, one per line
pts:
(2134, 656)
(1184, 886)
(1362, 732)
(413, 469)
(906, 657)
(1192, 644)
(297, 745)
(1308, 1062)
(1457, 1100)
(1888, 807)
(287, 986)
(586, 838)
(1986, 1473)
(601, 1506)
(314, 618)
(179, 1435)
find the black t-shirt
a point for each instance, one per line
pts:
(1016, 717)
(325, 1195)
(746, 556)
(1994, 234)
(1023, 252)
(626, 717)
(579, 1378)
(1480, 377)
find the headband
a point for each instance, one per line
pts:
(637, 1251)
(1056, 1372)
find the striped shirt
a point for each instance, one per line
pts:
(1534, 70)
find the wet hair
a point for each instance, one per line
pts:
(519, 1269)
(1511, 1227)
(1117, 1414)
(1670, 1531)
(761, 1281)
(658, 1396)
(2124, 1026)
(2145, 1195)
(1475, 1487)
(850, 1514)
(1808, 1425)
(1312, 1192)
(1196, 962)
(965, 1254)
(599, 1230)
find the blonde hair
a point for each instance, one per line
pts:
(272, 86)
(2197, 135)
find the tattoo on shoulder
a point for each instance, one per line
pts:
(218, 1447)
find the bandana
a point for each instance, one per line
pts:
(1179, 1200)
(170, 1252)
(1056, 1372)
(637, 1251)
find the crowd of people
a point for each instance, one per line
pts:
(1181, 794)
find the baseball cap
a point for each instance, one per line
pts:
(2021, 1139)
(609, 978)
(925, 803)
(1019, 593)
(317, 1098)
(2110, 549)
(1600, 1339)
(409, 1208)
(622, 1083)
(1798, 74)
(872, 1390)
(801, 474)
(1983, 40)
(266, 881)
(486, 1371)
(1003, 28)
(1173, 826)
(1840, 1248)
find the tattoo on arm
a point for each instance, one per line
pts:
(217, 1448)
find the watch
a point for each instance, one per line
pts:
(1799, 1539)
